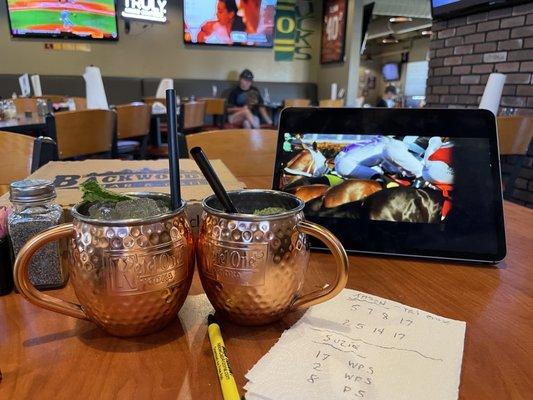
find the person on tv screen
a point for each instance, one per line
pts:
(219, 31)
(387, 100)
(245, 104)
(250, 14)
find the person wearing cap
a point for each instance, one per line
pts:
(388, 98)
(245, 104)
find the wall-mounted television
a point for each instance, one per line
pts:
(391, 72)
(63, 19)
(443, 9)
(229, 22)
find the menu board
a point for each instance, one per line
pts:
(333, 31)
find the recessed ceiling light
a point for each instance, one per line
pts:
(426, 33)
(389, 40)
(400, 19)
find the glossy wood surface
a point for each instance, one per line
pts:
(46, 355)
(514, 134)
(80, 102)
(84, 132)
(214, 105)
(22, 123)
(296, 103)
(54, 98)
(331, 103)
(25, 104)
(133, 120)
(246, 152)
(16, 153)
(193, 114)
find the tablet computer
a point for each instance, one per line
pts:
(407, 182)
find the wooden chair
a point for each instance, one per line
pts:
(133, 122)
(514, 137)
(246, 152)
(152, 100)
(54, 98)
(216, 107)
(25, 104)
(191, 117)
(80, 102)
(331, 103)
(83, 133)
(296, 103)
(20, 155)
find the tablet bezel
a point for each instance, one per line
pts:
(458, 123)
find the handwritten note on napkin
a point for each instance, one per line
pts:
(359, 346)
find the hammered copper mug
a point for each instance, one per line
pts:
(131, 277)
(253, 267)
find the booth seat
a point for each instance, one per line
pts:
(121, 90)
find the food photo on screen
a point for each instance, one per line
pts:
(372, 177)
(92, 19)
(229, 22)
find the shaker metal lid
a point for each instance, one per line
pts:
(32, 191)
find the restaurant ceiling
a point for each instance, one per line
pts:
(406, 8)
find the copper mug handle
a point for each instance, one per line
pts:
(341, 259)
(23, 284)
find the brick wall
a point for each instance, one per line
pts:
(465, 50)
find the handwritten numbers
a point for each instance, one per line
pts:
(406, 322)
(398, 335)
(385, 316)
(355, 307)
(322, 356)
(318, 366)
(379, 331)
(370, 310)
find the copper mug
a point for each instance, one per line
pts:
(253, 267)
(131, 277)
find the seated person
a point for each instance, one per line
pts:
(245, 104)
(388, 98)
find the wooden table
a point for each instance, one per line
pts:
(46, 355)
(22, 124)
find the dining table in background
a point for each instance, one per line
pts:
(34, 125)
(48, 355)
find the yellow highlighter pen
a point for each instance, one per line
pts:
(227, 382)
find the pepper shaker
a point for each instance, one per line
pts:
(34, 210)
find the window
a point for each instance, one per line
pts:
(415, 78)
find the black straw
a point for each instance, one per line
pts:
(173, 152)
(212, 178)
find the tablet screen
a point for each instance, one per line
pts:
(430, 194)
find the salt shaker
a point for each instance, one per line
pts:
(34, 211)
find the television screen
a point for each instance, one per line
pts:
(229, 22)
(79, 19)
(391, 72)
(451, 8)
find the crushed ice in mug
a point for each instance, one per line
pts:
(269, 211)
(137, 208)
